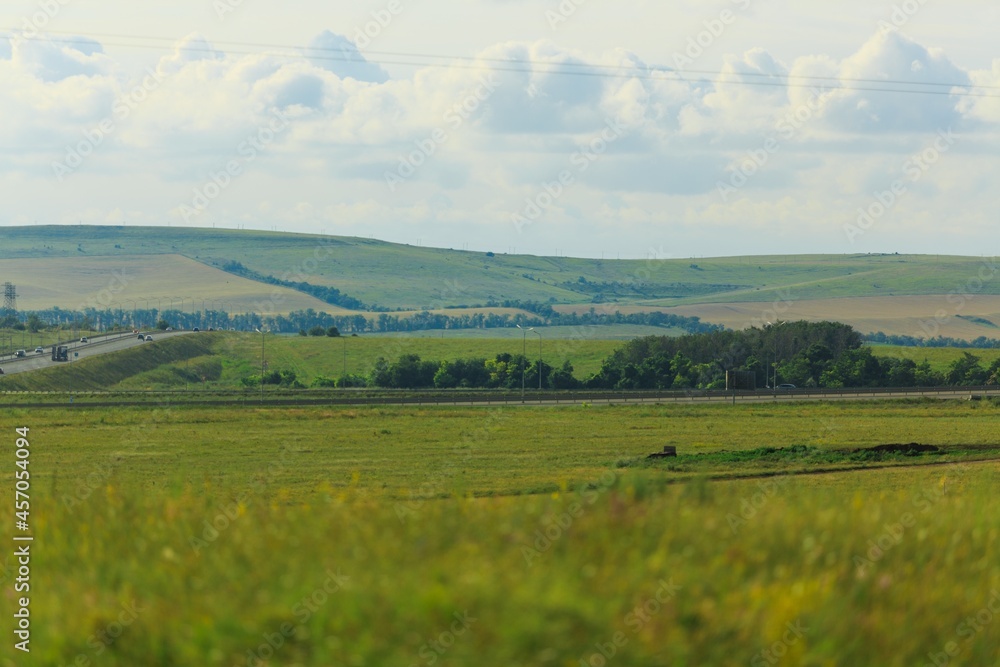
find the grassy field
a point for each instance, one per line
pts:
(967, 317)
(221, 359)
(391, 451)
(940, 358)
(152, 281)
(404, 276)
(616, 332)
(403, 536)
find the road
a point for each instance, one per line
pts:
(114, 342)
(77, 350)
(442, 399)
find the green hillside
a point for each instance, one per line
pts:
(401, 276)
(220, 360)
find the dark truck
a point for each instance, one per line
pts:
(60, 353)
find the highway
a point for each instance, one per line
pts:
(97, 345)
(121, 341)
(290, 398)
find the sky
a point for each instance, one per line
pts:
(557, 127)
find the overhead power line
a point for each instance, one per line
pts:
(530, 66)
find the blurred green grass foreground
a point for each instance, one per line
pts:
(153, 547)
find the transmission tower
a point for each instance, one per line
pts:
(9, 299)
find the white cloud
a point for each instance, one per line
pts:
(351, 122)
(865, 105)
(339, 55)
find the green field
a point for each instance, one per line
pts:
(615, 332)
(393, 275)
(317, 537)
(940, 358)
(391, 451)
(220, 359)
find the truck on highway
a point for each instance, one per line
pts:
(60, 353)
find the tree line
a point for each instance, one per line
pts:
(118, 317)
(806, 354)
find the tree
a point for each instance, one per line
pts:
(317, 331)
(162, 324)
(333, 332)
(563, 378)
(966, 371)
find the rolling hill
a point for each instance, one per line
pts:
(68, 265)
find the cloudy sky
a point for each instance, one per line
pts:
(573, 127)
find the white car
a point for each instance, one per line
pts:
(39, 350)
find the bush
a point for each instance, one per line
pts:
(351, 382)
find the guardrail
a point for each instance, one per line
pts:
(353, 397)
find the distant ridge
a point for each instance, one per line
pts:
(340, 273)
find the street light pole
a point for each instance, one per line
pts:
(524, 356)
(538, 333)
(261, 364)
(774, 327)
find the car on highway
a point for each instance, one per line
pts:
(141, 337)
(84, 340)
(39, 350)
(149, 338)
(1, 371)
(20, 353)
(786, 387)
(195, 329)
